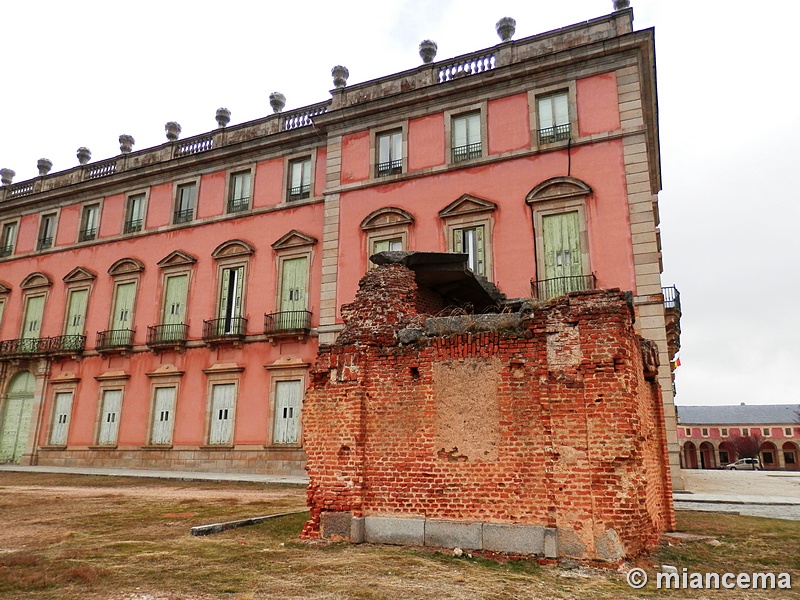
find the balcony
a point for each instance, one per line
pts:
(60, 345)
(231, 329)
(6, 250)
(672, 320)
(167, 336)
(87, 235)
(238, 204)
(392, 167)
(183, 216)
(287, 323)
(557, 133)
(300, 192)
(546, 289)
(468, 152)
(133, 225)
(114, 340)
(44, 243)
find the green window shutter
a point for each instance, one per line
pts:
(480, 250)
(2, 308)
(380, 246)
(32, 324)
(288, 396)
(293, 284)
(123, 306)
(175, 299)
(458, 240)
(76, 312)
(563, 258)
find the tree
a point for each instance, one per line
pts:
(747, 446)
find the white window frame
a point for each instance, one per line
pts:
(450, 117)
(178, 217)
(214, 422)
(60, 421)
(86, 233)
(40, 237)
(9, 247)
(230, 189)
(291, 160)
(127, 227)
(154, 414)
(545, 91)
(375, 140)
(291, 372)
(102, 425)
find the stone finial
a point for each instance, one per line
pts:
(505, 28)
(340, 75)
(84, 155)
(277, 101)
(6, 176)
(427, 51)
(44, 165)
(621, 4)
(126, 143)
(173, 130)
(223, 117)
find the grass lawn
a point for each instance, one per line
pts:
(100, 538)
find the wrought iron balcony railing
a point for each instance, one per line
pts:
(6, 250)
(60, 344)
(230, 328)
(173, 334)
(114, 339)
(86, 235)
(392, 167)
(133, 225)
(44, 243)
(468, 152)
(557, 133)
(183, 216)
(300, 192)
(672, 298)
(238, 204)
(545, 289)
(290, 321)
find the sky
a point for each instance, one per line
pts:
(81, 74)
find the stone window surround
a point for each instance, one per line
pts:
(71, 289)
(236, 170)
(34, 285)
(475, 217)
(176, 185)
(287, 162)
(65, 386)
(399, 227)
(56, 213)
(108, 382)
(81, 222)
(15, 221)
(374, 134)
(533, 111)
(283, 253)
(237, 255)
(163, 377)
(449, 115)
(175, 264)
(128, 195)
(130, 275)
(285, 369)
(221, 374)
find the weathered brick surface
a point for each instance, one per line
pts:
(548, 422)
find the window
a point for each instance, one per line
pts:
(186, 196)
(109, 417)
(76, 311)
(231, 291)
(288, 399)
(47, 231)
(704, 432)
(723, 457)
(389, 147)
(61, 412)
(293, 294)
(387, 229)
(390, 245)
(134, 213)
(239, 192)
(788, 457)
(724, 432)
(299, 186)
(466, 132)
(32, 321)
(766, 431)
(687, 431)
(787, 431)
(163, 416)
(90, 219)
(745, 431)
(8, 239)
(553, 118)
(176, 288)
(471, 241)
(221, 427)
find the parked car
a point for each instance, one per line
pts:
(752, 464)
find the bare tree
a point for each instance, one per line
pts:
(747, 446)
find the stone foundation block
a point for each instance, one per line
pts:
(391, 530)
(453, 534)
(524, 539)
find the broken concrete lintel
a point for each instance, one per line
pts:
(220, 527)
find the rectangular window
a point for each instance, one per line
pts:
(787, 431)
(724, 432)
(288, 396)
(176, 288)
(124, 297)
(705, 432)
(723, 457)
(745, 432)
(230, 302)
(239, 195)
(8, 239)
(109, 418)
(76, 312)
(471, 241)
(687, 431)
(390, 153)
(2, 308)
(32, 323)
(766, 431)
(788, 457)
(294, 280)
(163, 416)
(553, 118)
(391, 245)
(90, 220)
(221, 430)
(47, 232)
(61, 413)
(134, 213)
(299, 179)
(467, 137)
(185, 203)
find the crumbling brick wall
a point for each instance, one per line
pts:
(541, 431)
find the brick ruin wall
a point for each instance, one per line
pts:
(540, 432)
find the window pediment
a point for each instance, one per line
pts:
(36, 280)
(558, 188)
(4, 288)
(294, 239)
(176, 258)
(125, 266)
(79, 274)
(467, 204)
(233, 248)
(386, 217)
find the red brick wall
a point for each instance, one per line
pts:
(549, 422)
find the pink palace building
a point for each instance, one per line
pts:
(163, 308)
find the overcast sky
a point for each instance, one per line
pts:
(81, 74)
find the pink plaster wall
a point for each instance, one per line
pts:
(27, 233)
(426, 142)
(211, 195)
(268, 189)
(112, 214)
(320, 171)
(355, 157)
(598, 103)
(508, 124)
(159, 206)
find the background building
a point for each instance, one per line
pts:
(708, 434)
(162, 308)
